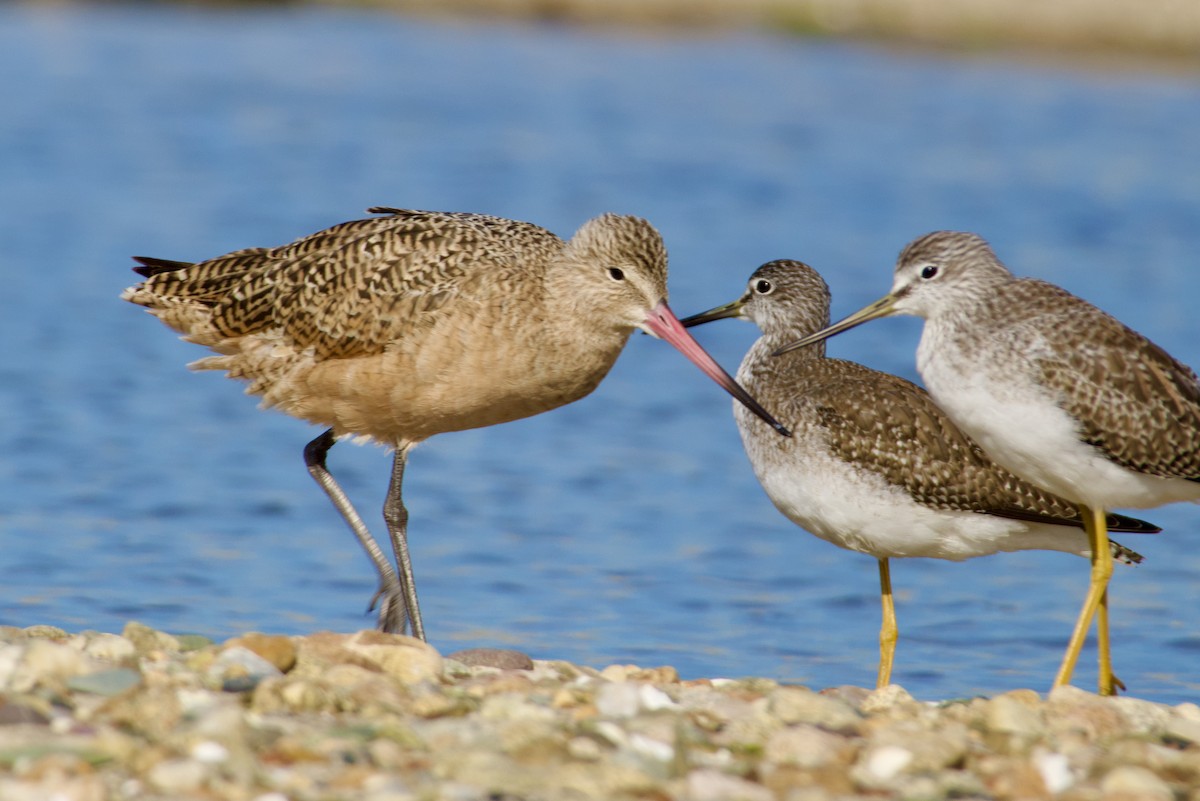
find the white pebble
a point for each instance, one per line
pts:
(618, 700)
(886, 762)
(649, 747)
(210, 752)
(653, 699)
(612, 732)
(1055, 770)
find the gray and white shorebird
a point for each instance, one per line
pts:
(1054, 389)
(415, 323)
(873, 464)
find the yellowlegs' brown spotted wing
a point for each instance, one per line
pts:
(1053, 388)
(415, 323)
(873, 464)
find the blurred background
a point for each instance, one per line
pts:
(627, 527)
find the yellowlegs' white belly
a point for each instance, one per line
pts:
(857, 509)
(1023, 426)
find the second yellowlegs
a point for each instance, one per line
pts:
(873, 464)
(1054, 389)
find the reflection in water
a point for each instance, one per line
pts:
(627, 527)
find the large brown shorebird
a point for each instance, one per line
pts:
(873, 464)
(415, 323)
(1054, 389)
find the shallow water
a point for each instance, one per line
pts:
(627, 527)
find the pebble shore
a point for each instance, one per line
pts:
(376, 717)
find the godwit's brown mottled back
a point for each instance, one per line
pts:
(873, 464)
(1054, 389)
(414, 323)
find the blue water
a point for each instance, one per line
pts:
(627, 527)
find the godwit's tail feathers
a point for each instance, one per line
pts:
(149, 266)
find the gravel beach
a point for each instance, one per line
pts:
(148, 715)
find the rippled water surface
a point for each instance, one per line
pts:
(627, 527)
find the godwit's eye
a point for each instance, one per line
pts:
(763, 287)
(616, 273)
(930, 271)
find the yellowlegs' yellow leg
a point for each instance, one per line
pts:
(1109, 683)
(1097, 533)
(888, 631)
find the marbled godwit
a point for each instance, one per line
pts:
(873, 465)
(1054, 389)
(415, 323)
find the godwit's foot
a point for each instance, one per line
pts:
(388, 600)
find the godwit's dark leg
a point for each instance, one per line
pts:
(396, 517)
(389, 597)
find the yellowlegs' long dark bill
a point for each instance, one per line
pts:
(883, 307)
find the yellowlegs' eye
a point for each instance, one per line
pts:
(616, 273)
(930, 271)
(763, 287)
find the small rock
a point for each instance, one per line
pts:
(45, 661)
(192, 642)
(209, 752)
(146, 640)
(712, 785)
(153, 711)
(849, 694)
(240, 669)
(1182, 730)
(405, 658)
(1135, 784)
(1188, 711)
(796, 705)
(1055, 770)
(885, 762)
(928, 750)
(886, 698)
(177, 775)
(276, 649)
(10, 657)
(105, 682)
(45, 633)
(618, 673)
(1142, 717)
(502, 658)
(664, 674)
(1072, 710)
(1013, 715)
(110, 648)
(625, 700)
(584, 749)
(13, 713)
(805, 746)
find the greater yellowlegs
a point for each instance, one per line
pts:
(415, 323)
(1054, 389)
(874, 465)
